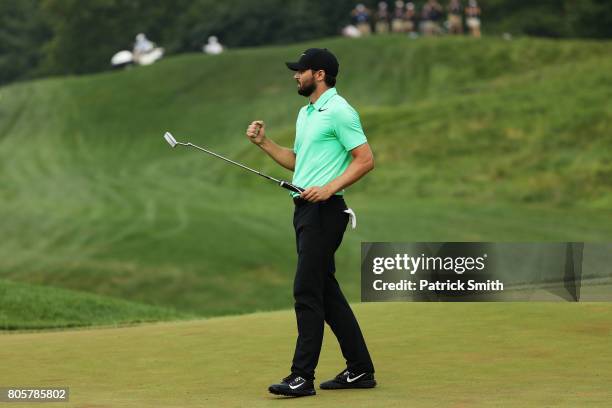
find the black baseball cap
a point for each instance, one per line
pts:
(316, 58)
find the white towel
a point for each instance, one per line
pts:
(352, 217)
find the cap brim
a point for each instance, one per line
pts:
(295, 66)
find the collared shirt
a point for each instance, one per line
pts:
(325, 133)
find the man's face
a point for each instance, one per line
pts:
(306, 84)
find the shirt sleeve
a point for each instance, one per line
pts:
(348, 128)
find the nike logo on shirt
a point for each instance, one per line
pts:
(321, 109)
(349, 379)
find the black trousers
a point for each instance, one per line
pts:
(319, 228)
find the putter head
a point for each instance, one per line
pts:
(170, 139)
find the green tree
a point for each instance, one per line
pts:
(590, 18)
(250, 23)
(544, 18)
(23, 31)
(87, 34)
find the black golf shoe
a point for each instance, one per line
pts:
(293, 386)
(347, 379)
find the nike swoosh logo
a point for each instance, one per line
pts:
(293, 387)
(321, 109)
(349, 379)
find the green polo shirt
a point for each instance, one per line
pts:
(325, 134)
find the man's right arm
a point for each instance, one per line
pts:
(256, 133)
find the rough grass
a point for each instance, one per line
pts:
(24, 306)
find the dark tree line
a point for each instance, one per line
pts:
(47, 37)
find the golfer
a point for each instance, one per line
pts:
(330, 152)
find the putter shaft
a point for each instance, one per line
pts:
(284, 184)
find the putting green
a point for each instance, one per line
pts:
(426, 355)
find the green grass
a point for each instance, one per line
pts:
(24, 306)
(473, 140)
(426, 355)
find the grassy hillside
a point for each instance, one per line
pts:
(425, 355)
(24, 306)
(474, 140)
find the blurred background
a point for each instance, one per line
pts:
(50, 37)
(489, 121)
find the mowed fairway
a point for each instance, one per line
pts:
(427, 355)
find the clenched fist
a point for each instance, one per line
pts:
(256, 132)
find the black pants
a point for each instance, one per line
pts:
(319, 228)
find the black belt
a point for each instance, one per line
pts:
(299, 201)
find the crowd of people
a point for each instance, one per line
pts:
(433, 19)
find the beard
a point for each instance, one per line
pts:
(307, 89)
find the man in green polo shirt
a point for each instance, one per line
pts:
(330, 152)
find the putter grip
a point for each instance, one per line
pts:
(291, 187)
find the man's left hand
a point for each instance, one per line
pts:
(315, 194)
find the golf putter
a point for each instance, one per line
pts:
(284, 184)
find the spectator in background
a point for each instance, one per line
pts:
(145, 52)
(431, 17)
(351, 31)
(213, 47)
(411, 19)
(142, 45)
(361, 18)
(382, 18)
(472, 18)
(455, 17)
(398, 23)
